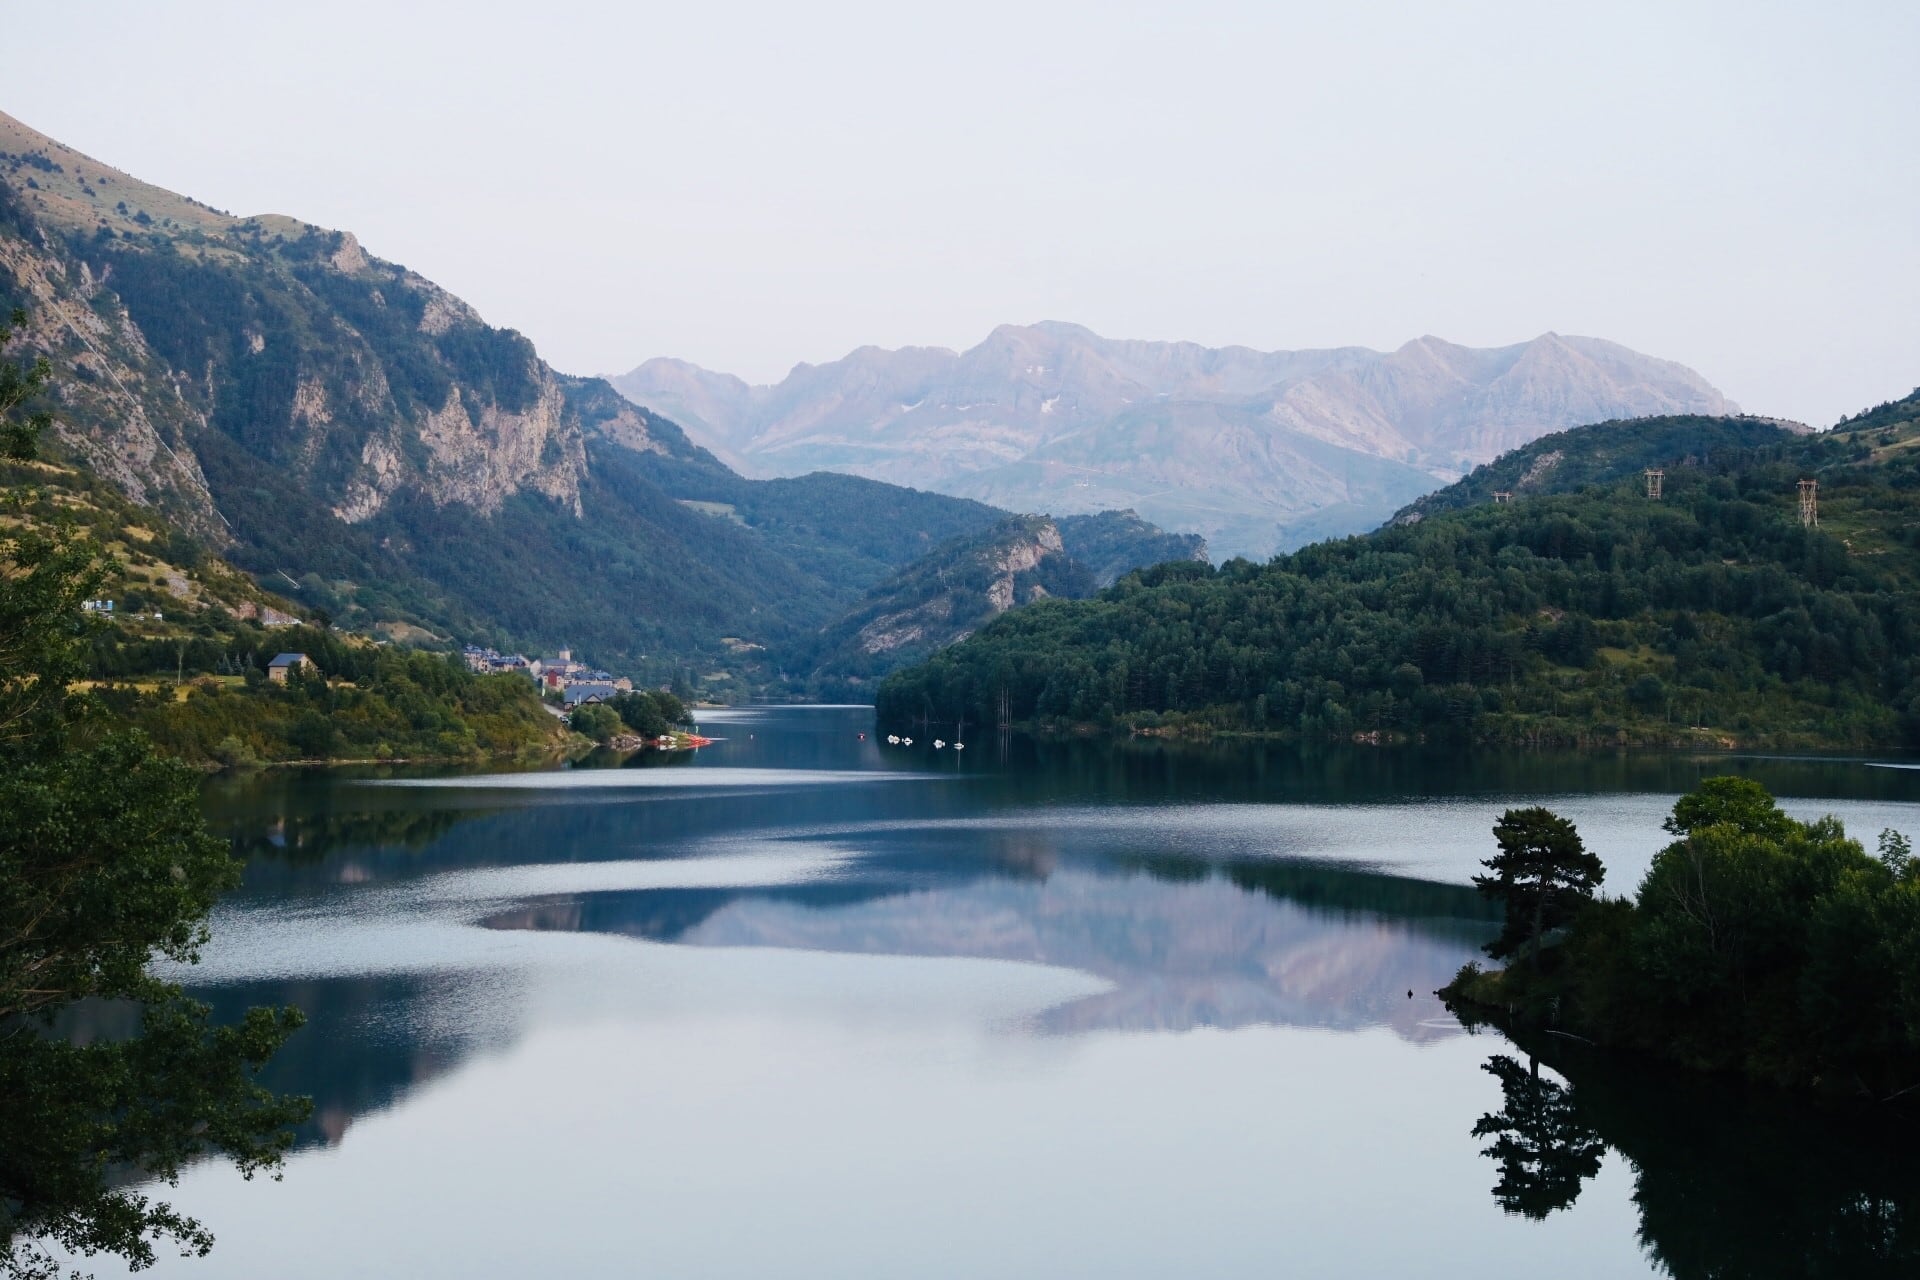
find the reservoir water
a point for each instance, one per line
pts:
(805, 1004)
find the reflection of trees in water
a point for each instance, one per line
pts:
(1546, 1152)
(1232, 769)
(365, 1045)
(1443, 910)
(299, 817)
(1730, 1181)
(312, 837)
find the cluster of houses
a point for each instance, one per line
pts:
(575, 682)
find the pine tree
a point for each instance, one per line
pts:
(1543, 874)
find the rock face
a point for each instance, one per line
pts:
(1256, 450)
(967, 582)
(120, 408)
(952, 592)
(170, 323)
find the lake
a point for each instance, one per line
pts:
(806, 1004)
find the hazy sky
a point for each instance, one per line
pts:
(1733, 186)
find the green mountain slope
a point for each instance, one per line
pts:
(181, 652)
(1612, 451)
(1592, 616)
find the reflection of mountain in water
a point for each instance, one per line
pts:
(1730, 1181)
(1186, 943)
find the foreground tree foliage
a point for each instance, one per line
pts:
(20, 436)
(1756, 944)
(105, 865)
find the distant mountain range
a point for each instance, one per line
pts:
(1258, 451)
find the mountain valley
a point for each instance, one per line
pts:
(355, 437)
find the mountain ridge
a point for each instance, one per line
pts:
(1230, 442)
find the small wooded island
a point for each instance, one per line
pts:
(1756, 944)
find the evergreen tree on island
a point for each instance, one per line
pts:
(1543, 875)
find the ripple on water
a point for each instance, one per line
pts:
(648, 779)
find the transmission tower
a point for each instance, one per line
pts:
(1810, 503)
(1502, 497)
(1654, 477)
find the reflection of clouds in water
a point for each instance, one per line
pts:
(731, 715)
(1206, 953)
(429, 926)
(763, 863)
(676, 777)
(1443, 837)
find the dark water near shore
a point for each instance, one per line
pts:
(809, 1005)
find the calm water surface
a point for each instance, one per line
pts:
(808, 1005)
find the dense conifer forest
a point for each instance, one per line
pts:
(1579, 611)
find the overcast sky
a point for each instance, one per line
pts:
(1733, 186)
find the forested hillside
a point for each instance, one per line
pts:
(178, 642)
(1567, 461)
(1596, 615)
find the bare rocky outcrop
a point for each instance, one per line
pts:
(350, 258)
(1021, 558)
(116, 405)
(628, 429)
(443, 311)
(481, 458)
(382, 471)
(942, 605)
(1541, 466)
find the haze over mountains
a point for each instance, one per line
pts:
(1259, 451)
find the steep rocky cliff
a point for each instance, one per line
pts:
(353, 377)
(959, 587)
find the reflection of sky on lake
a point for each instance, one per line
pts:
(1102, 1009)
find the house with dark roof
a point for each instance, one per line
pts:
(286, 662)
(584, 691)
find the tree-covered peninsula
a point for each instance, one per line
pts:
(1576, 609)
(1755, 944)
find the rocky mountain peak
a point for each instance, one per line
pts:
(353, 376)
(1255, 450)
